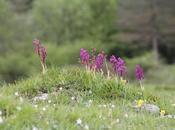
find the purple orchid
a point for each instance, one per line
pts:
(84, 56)
(37, 44)
(139, 73)
(118, 65)
(99, 61)
(41, 52)
(121, 67)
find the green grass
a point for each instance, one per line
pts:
(95, 109)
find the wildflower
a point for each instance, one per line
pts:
(49, 101)
(118, 65)
(79, 121)
(139, 75)
(41, 52)
(140, 103)
(36, 44)
(121, 68)
(60, 88)
(34, 128)
(162, 112)
(86, 127)
(90, 92)
(90, 101)
(72, 98)
(99, 61)
(44, 109)
(35, 106)
(126, 115)
(112, 106)
(139, 72)
(18, 108)
(21, 99)
(84, 56)
(16, 94)
(43, 55)
(1, 120)
(118, 120)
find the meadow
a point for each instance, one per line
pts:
(84, 98)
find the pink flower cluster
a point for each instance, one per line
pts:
(118, 65)
(92, 62)
(96, 63)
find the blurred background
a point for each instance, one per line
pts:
(141, 31)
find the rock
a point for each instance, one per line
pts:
(170, 116)
(150, 108)
(43, 97)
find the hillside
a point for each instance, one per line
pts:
(72, 98)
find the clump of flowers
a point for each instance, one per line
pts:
(99, 61)
(94, 63)
(162, 112)
(40, 50)
(140, 102)
(139, 73)
(118, 65)
(84, 57)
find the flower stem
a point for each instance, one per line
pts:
(107, 69)
(142, 88)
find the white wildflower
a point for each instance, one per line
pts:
(112, 106)
(79, 121)
(18, 108)
(49, 101)
(72, 98)
(90, 92)
(1, 120)
(104, 106)
(34, 128)
(117, 121)
(86, 127)
(44, 109)
(21, 99)
(90, 101)
(35, 106)
(16, 94)
(126, 115)
(60, 88)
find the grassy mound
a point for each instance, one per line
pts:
(77, 99)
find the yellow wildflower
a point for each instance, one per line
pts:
(140, 102)
(162, 112)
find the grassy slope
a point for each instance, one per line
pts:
(61, 112)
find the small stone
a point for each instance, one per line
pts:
(169, 116)
(151, 108)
